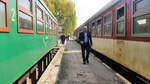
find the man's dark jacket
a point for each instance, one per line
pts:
(62, 37)
(81, 38)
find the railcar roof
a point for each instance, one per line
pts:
(103, 9)
(49, 11)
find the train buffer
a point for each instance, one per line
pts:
(72, 71)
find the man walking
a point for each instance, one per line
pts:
(85, 40)
(62, 37)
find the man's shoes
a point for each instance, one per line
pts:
(84, 63)
(87, 61)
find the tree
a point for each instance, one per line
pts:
(64, 11)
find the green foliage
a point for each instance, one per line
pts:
(64, 11)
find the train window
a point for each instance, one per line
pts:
(99, 27)
(46, 25)
(26, 4)
(25, 16)
(52, 25)
(25, 21)
(47, 28)
(40, 21)
(120, 13)
(39, 13)
(4, 26)
(141, 5)
(55, 26)
(49, 21)
(2, 14)
(93, 29)
(40, 26)
(141, 18)
(142, 25)
(120, 28)
(108, 24)
(120, 31)
(45, 17)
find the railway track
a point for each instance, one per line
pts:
(131, 76)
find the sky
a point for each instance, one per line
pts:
(87, 8)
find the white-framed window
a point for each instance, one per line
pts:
(121, 22)
(108, 24)
(93, 29)
(99, 27)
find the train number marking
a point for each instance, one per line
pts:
(13, 15)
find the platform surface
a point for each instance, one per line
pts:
(74, 72)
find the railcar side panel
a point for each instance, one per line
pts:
(20, 51)
(134, 55)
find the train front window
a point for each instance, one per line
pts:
(120, 31)
(108, 24)
(142, 25)
(2, 14)
(25, 21)
(26, 4)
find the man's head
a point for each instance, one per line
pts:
(85, 28)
